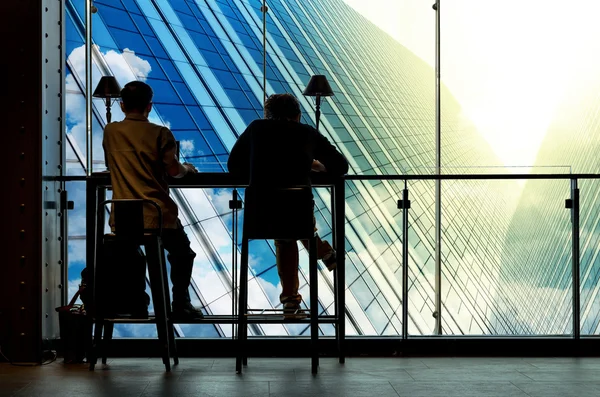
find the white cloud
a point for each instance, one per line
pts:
(73, 287)
(126, 67)
(186, 147)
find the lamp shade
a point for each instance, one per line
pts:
(107, 87)
(318, 85)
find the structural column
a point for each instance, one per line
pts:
(31, 271)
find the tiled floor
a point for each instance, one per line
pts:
(371, 377)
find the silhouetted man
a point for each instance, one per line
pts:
(301, 150)
(140, 156)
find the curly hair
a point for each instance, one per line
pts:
(282, 107)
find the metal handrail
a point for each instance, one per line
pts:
(208, 180)
(187, 181)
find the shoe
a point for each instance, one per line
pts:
(186, 311)
(330, 260)
(293, 309)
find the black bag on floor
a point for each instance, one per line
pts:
(75, 331)
(121, 281)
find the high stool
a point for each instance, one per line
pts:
(283, 214)
(129, 230)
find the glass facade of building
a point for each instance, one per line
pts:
(539, 251)
(204, 60)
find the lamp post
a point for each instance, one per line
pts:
(88, 84)
(318, 86)
(107, 88)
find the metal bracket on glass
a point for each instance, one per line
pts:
(403, 204)
(568, 203)
(235, 204)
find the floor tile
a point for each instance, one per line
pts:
(565, 373)
(466, 375)
(84, 387)
(208, 388)
(457, 389)
(366, 375)
(332, 387)
(249, 374)
(10, 387)
(559, 389)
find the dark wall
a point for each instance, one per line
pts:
(20, 273)
(32, 107)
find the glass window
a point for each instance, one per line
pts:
(176, 117)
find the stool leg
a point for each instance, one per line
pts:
(171, 327)
(172, 344)
(108, 334)
(153, 257)
(242, 309)
(96, 343)
(314, 304)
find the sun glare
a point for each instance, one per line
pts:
(507, 63)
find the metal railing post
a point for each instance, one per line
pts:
(404, 204)
(437, 314)
(235, 205)
(340, 272)
(575, 254)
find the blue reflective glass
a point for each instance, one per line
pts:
(192, 144)
(131, 41)
(157, 47)
(71, 31)
(264, 256)
(101, 34)
(155, 69)
(249, 115)
(207, 164)
(132, 7)
(202, 41)
(180, 6)
(176, 116)
(200, 118)
(229, 62)
(196, 11)
(163, 92)
(117, 18)
(214, 60)
(71, 45)
(189, 22)
(186, 96)
(142, 25)
(199, 331)
(214, 141)
(169, 69)
(112, 3)
(206, 27)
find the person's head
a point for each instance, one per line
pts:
(136, 97)
(282, 107)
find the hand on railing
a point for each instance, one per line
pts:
(190, 168)
(317, 166)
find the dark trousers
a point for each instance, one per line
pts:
(286, 253)
(181, 257)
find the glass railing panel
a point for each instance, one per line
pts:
(421, 261)
(589, 259)
(373, 258)
(506, 257)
